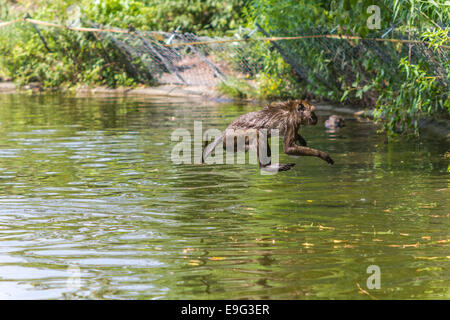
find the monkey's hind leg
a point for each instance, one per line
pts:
(277, 167)
(265, 159)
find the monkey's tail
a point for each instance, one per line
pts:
(209, 147)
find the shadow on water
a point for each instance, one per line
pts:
(91, 206)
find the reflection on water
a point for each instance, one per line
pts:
(88, 184)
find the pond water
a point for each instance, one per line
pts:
(92, 207)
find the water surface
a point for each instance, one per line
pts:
(92, 207)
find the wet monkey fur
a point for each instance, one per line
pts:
(285, 116)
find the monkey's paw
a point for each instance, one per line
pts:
(276, 167)
(326, 158)
(329, 160)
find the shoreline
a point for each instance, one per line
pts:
(439, 128)
(163, 90)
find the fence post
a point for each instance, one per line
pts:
(27, 16)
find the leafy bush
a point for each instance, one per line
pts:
(402, 82)
(417, 95)
(78, 57)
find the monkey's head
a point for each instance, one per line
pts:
(334, 121)
(306, 113)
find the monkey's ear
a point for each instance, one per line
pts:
(301, 107)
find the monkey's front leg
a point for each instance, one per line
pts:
(291, 148)
(265, 160)
(299, 140)
(305, 151)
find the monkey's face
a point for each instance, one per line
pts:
(306, 113)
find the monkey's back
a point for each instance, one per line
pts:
(267, 118)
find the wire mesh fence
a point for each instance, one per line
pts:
(148, 55)
(345, 56)
(188, 59)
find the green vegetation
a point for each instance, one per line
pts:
(201, 17)
(237, 88)
(78, 58)
(75, 58)
(402, 82)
